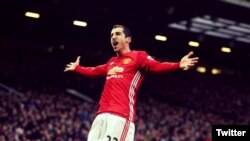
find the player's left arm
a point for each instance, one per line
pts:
(151, 65)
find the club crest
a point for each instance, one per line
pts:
(127, 60)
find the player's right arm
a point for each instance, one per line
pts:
(87, 71)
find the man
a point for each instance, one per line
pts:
(124, 72)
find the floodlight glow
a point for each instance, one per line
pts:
(32, 15)
(201, 69)
(160, 38)
(226, 49)
(80, 23)
(193, 44)
(215, 71)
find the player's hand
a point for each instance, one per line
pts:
(72, 66)
(187, 62)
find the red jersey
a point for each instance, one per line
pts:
(124, 74)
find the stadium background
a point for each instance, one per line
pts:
(178, 106)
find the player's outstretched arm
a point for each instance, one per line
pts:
(72, 66)
(187, 61)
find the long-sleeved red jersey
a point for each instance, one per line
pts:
(123, 77)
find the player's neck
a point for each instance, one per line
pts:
(123, 51)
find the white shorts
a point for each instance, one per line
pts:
(109, 127)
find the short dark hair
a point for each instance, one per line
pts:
(126, 30)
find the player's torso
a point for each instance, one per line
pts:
(120, 72)
(122, 66)
(122, 80)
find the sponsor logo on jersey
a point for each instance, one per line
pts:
(126, 61)
(115, 70)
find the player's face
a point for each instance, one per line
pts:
(118, 39)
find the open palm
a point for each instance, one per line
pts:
(72, 66)
(187, 62)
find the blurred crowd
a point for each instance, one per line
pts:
(44, 117)
(59, 116)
